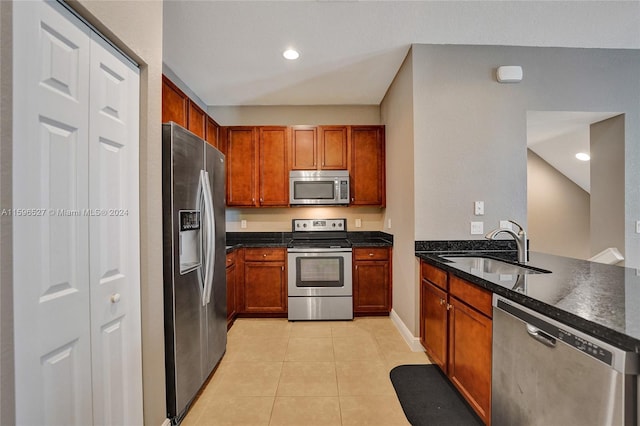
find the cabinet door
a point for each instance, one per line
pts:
(470, 337)
(367, 166)
(211, 133)
(197, 120)
(241, 166)
(265, 287)
(174, 103)
(273, 170)
(433, 307)
(371, 287)
(334, 147)
(231, 293)
(304, 148)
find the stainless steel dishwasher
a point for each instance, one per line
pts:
(545, 373)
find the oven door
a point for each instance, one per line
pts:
(320, 272)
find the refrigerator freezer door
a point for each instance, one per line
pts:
(183, 157)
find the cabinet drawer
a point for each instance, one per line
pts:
(474, 296)
(435, 275)
(231, 258)
(378, 253)
(264, 254)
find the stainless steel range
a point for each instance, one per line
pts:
(319, 263)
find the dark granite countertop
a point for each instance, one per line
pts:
(600, 300)
(236, 240)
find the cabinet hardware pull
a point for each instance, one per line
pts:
(356, 267)
(370, 254)
(449, 306)
(115, 298)
(441, 301)
(282, 268)
(264, 255)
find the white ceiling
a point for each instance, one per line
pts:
(229, 52)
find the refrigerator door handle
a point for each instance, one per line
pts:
(209, 260)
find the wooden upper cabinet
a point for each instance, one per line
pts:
(273, 170)
(197, 120)
(319, 147)
(257, 166)
(367, 169)
(241, 165)
(304, 148)
(334, 147)
(211, 133)
(174, 103)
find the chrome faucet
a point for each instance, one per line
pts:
(520, 237)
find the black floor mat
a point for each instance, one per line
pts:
(429, 399)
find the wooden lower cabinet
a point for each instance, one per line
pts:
(433, 323)
(265, 281)
(232, 284)
(372, 280)
(470, 356)
(456, 332)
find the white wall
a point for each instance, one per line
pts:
(607, 185)
(398, 115)
(557, 210)
(470, 132)
(295, 115)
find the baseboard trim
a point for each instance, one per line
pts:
(412, 341)
(166, 422)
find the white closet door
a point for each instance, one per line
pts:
(114, 238)
(51, 264)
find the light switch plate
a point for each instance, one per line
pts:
(478, 208)
(637, 226)
(477, 228)
(358, 223)
(243, 224)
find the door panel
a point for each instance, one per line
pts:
(273, 169)
(114, 239)
(51, 272)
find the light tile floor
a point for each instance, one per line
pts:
(317, 373)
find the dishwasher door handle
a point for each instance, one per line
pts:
(541, 336)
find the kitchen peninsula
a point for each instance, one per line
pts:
(475, 303)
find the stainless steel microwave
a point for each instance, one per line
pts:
(318, 187)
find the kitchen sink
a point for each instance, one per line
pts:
(492, 266)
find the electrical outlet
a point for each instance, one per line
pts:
(477, 228)
(389, 223)
(358, 223)
(243, 224)
(637, 226)
(478, 208)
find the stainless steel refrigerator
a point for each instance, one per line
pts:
(195, 300)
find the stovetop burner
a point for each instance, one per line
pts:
(319, 233)
(329, 243)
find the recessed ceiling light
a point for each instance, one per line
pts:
(291, 54)
(583, 156)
